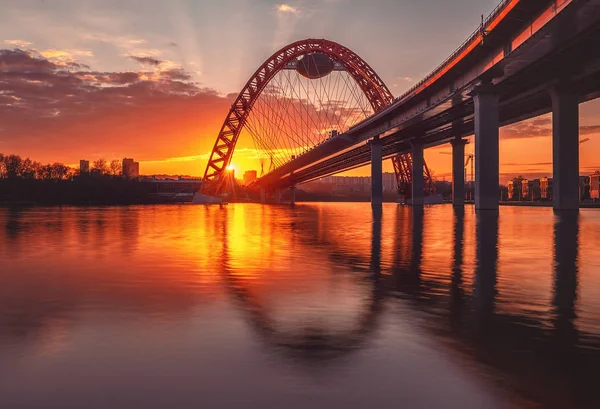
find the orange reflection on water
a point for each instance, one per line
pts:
(187, 287)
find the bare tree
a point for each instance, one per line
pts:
(37, 170)
(27, 169)
(101, 166)
(12, 164)
(115, 167)
(58, 171)
(45, 172)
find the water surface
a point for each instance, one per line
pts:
(317, 306)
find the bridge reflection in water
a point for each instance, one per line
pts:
(438, 306)
(539, 353)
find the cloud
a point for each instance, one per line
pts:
(52, 110)
(286, 8)
(18, 43)
(540, 127)
(533, 128)
(527, 164)
(589, 129)
(154, 62)
(124, 42)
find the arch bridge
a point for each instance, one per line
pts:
(315, 108)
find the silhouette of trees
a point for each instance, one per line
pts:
(28, 169)
(12, 164)
(116, 168)
(2, 169)
(28, 181)
(14, 167)
(58, 171)
(100, 166)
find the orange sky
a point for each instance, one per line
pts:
(156, 83)
(166, 121)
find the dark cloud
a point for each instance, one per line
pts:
(527, 164)
(24, 62)
(589, 129)
(176, 74)
(149, 61)
(531, 128)
(540, 127)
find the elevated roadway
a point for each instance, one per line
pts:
(528, 58)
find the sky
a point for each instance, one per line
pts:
(154, 80)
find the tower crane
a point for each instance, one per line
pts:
(469, 159)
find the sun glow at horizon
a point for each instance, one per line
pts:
(231, 168)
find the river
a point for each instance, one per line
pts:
(317, 306)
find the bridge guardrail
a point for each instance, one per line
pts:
(473, 37)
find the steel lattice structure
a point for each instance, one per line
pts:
(289, 113)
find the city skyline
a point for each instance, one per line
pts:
(111, 82)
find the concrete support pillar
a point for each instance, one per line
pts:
(277, 197)
(487, 152)
(263, 195)
(376, 172)
(458, 172)
(565, 149)
(418, 181)
(293, 195)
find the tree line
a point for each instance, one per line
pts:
(15, 167)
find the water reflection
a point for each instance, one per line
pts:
(375, 263)
(457, 292)
(408, 250)
(486, 264)
(302, 335)
(566, 245)
(384, 292)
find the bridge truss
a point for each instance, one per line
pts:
(304, 94)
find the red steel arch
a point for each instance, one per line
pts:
(377, 93)
(375, 90)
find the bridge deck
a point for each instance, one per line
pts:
(444, 109)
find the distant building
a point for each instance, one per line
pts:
(531, 189)
(525, 189)
(595, 186)
(359, 183)
(515, 189)
(584, 187)
(131, 168)
(389, 182)
(249, 177)
(84, 167)
(546, 188)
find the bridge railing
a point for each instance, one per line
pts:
(472, 38)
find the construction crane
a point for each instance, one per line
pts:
(470, 159)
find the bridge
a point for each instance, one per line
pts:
(316, 108)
